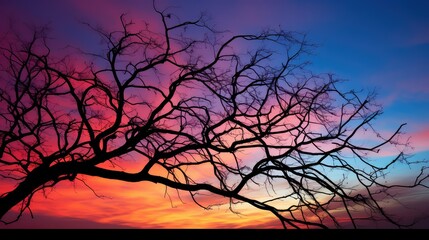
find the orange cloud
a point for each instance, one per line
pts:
(140, 205)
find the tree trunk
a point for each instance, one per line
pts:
(35, 179)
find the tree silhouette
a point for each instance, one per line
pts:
(243, 109)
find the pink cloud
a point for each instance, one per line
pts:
(420, 140)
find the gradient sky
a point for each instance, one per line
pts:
(375, 45)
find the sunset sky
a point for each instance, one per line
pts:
(374, 45)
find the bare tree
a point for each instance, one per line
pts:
(244, 109)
